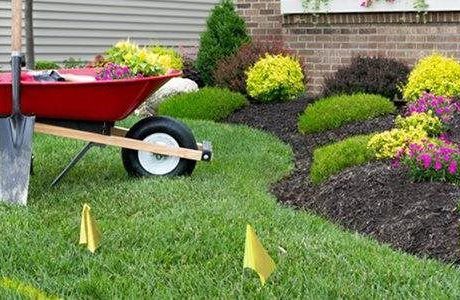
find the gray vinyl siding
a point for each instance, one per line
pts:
(84, 28)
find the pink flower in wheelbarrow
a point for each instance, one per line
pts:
(113, 71)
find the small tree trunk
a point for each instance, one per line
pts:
(29, 29)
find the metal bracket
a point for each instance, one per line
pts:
(23, 59)
(207, 151)
(73, 162)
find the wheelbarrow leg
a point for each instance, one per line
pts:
(73, 162)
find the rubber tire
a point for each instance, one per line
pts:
(179, 131)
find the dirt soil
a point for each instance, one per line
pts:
(374, 199)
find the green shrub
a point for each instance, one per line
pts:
(336, 111)
(73, 63)
(208, 103)
(333, 158)
(225, 33)
(275, 78)
(435, 74)
(46, 65)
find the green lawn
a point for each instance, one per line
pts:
(166, 238)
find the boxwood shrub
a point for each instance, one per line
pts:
(373, 75)
(336, 111)
(208, 103)
(332, 159)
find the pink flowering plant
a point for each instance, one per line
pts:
(418, 4)
(368, 3)
(442, 107)
(431, 161)
(112, 71)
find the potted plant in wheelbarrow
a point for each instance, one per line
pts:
(86, 103)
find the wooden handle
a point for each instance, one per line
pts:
(16, 25)
(118, 141)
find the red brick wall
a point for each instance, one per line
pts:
(263, 18)
(326, 42)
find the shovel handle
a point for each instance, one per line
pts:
(16, 26)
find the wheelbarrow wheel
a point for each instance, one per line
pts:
(164, 131)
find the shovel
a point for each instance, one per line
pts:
(16, 131)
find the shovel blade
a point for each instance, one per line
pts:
(16, 134)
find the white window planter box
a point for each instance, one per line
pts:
(353, 6)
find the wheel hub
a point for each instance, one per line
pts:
(158, 164)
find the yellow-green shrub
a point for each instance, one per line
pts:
(148, 61)
(388, 143)
(171, 59)
(139, 60)
(275, 78)
(429, 123)
(436, 74)
(118, 52)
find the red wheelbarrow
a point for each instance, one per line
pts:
(88, 111)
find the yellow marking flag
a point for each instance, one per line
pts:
(89, 232)
(256, 257)
(25, 290)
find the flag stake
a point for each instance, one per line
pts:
(90, 235)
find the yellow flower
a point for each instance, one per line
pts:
(388, 143)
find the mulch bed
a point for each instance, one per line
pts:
(373, 199)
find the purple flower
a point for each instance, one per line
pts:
(426, 160)
(443, 108)
(432, 161)
(437, 165)
(452, 169)
(113, 71)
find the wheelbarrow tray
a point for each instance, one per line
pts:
(106, 101)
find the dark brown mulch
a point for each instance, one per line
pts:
(374, 199)
(454, 134)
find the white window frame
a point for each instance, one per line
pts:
(353, 6)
